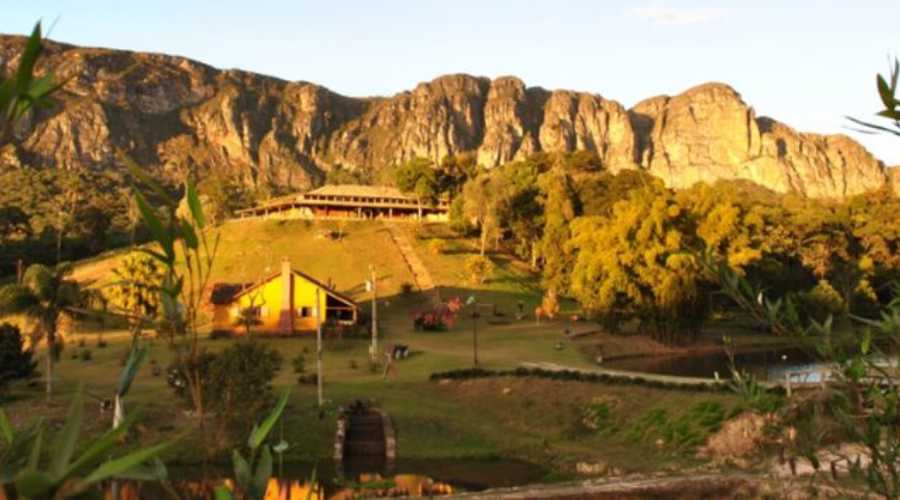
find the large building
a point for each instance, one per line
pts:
(350, 201)
(286, 302)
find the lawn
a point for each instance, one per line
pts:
(542, 421)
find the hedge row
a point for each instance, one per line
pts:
(572, 375)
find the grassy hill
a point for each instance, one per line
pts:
(536, 420)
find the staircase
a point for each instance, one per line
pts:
(420, 274)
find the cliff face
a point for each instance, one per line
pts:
(170, 113)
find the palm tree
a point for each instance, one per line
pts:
(43, 295)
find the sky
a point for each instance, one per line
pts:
(803, 62)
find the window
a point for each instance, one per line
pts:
(304, 312)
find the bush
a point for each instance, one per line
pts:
(823, 301)
(437, 246)
(299, 366)
(15, 361)
(406, 288)
(86, 355)
(237, 383)
(479, 268)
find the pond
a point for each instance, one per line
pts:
(767, 365)
(417, 478)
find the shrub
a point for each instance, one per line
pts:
(15, 361)
(299, 366)
(479, 269)
(353, 365)
(823, 300)
(86, 355)
(240, 383)
(236, 382)
(437, 246)
(406, 288)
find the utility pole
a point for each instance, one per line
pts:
(319, 346)
(373, 349)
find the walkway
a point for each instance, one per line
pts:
(647, 377)
(695, 486)
(421, 276)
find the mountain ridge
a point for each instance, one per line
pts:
(170, 111)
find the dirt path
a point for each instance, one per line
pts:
(692, 487)
(420, 274)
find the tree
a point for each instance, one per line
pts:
(16, 361)
(418, 177)
(454, 171)
(559, 202)
(479, 268)
(633, 264)
(482, 200)
(44, 295)
(135, 291)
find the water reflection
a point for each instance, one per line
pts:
(364, 486)
(771, 365)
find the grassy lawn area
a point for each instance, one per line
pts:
(542, 421)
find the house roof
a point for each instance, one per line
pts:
(226, 293)
(360, 191)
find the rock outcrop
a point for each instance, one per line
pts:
(171, 114)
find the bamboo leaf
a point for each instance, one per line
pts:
(35, 458)
(135, 358)
(114, 468)
(241, 470)
(6, 430)
(145, 178)
(259, 434)
(64, 447)
(194, 204)
(223, 493)
(263, 472)
(190, 236)
(151, 218)
(312, 483)
(884, 91)
(32, 483)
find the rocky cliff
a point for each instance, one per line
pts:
(170, 112)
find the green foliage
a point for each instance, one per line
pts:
(135, 290)
(16, 362)
(418, 177)
(237, 383)
(340, 175)
(823, 301)
(437, 246)
(252, 473)
(887, 92)
(633, 264)
(35, 471)
(221, 196)
(44, 295)
(21, 91)
(479, 269)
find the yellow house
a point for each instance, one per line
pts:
(283, 303)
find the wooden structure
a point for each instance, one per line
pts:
(349, 201)
(282, 303)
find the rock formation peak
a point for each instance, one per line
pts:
(170, 112)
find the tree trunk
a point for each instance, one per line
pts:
(483, 238)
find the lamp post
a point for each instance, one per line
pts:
(319, 347)
(373, 349)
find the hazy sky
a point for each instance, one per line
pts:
(806, 63)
